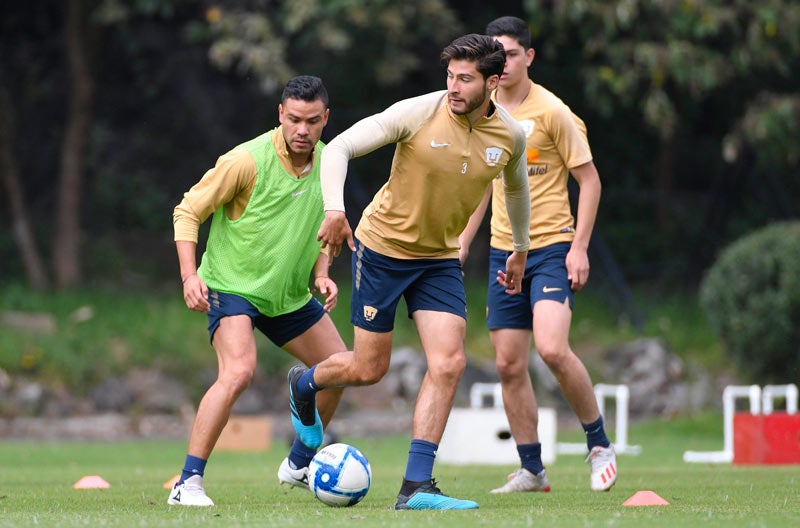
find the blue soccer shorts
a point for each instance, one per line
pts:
(379, 282)
(279, 329)
(545, 278)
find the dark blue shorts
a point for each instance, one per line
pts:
(425, 284)
(279, 329)
(545, 278)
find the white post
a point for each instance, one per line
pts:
(478, 390)
(729, 396)
(621, 394)
(770, 392)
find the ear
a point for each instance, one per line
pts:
(529, 55)
(492, 82)
(280, 113)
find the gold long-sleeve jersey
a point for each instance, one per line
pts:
(440, 171)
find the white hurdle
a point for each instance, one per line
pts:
(729, 396)
(771, 392)
(621, 395)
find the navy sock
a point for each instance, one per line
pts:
(531, 457)
(192, 466)
(306, 387)
(596, 434)
(300, 454)
(421, 456)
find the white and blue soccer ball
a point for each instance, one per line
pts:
(339, 475)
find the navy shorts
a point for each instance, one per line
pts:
(425, 284)
(279, 329)
(545, 278)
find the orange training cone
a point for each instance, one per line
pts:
(91, 482)
(645, 498)
(171, 482)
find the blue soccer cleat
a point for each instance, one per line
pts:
(429, 497)
(305, 418)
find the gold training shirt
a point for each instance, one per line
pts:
(556, 143)
(439, 174)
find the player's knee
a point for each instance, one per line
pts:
(556, 359)
(238, 379)
(511, 365)
(370, 375)
(451, 369)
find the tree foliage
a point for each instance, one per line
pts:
(714, 87)
(752, 298)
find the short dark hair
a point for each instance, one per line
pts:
(306, 88)
(483, 49)
(510, 26)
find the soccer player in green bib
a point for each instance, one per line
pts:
(266, 202)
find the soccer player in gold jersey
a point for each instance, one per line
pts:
(557, 265)
(450, 146)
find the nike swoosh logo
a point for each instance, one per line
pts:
(547, 289)
(298, 193)
(434, 144)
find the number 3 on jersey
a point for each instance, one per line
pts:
(464, 168)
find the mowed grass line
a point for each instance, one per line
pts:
(36, 487)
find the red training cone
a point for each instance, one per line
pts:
(171, 482)
(645, 498)
(91, 482)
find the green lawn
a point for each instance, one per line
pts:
(36, 487)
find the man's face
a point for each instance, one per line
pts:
(517, 61)
(467, 90)
(302, 122)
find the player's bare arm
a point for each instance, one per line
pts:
(577, 261)
(195, 291)
(323, 283)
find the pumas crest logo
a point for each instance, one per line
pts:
(370, 313)
(493, 155)
(527, 125)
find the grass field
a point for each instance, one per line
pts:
(36, 488)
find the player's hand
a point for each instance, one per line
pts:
(195, 294)
(577, 264)
(334, 230)
(511, 278)
(327, 287)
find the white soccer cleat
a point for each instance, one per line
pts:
(293, 477)
(604, 468)
(189, 493)
(524, 480)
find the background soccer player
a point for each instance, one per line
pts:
(267, 204)
(557, 265)
(450, 146)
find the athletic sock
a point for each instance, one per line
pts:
(306, 387)
(596, 434)
(300, 454)
(421, 456)
(410, 486)
(192, 466)
(531, 457)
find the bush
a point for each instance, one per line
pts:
(752, 298)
